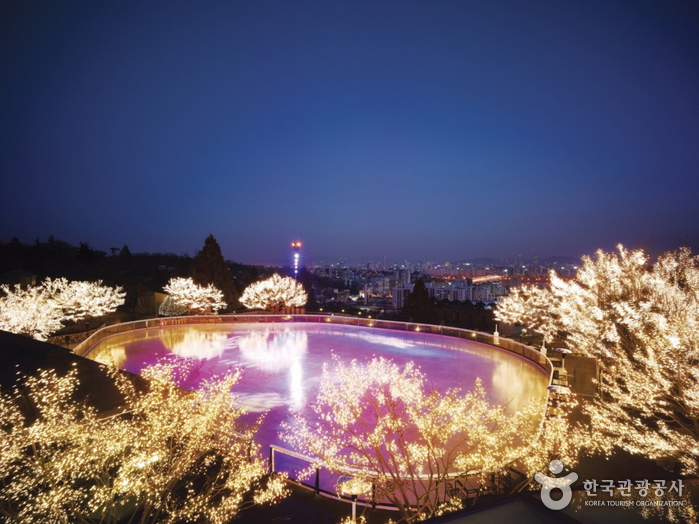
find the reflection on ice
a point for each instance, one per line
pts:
(283, 362)
(195, 344)
(112, 356)
(257, 402)
(273, 351)
(297, 399)
(398, 343)
(516, 387)
(385, 341)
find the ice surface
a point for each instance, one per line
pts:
(283, 362)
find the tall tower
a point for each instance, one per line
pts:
(296, 246)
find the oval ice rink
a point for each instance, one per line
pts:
(283, 362)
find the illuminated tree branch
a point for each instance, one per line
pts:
(641, 322)
(186, 297)
(386, 427)
(274, 294)
(170, 456)
(41, 310)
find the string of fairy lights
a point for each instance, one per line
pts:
(185, 297)
(390, 429)
(640, 321)
(178, 456)
(39, 311)
(185, 456)
(274, 293)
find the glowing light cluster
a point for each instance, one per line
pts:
(41, 310)
(640, 320)
(195, 344)
(296, 246)
(383, 425)
(274, 294)
(169, 456)
(186, 297)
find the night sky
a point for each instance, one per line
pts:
(437, 130)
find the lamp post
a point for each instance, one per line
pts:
(559, 390)
(353, 487)
(563, 352)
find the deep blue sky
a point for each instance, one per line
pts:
(413, 130)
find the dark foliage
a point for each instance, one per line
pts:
(307, 283)
(419, 307)
(209, 267)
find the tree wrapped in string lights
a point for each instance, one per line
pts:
(78, 300)
(274, 294)
(186, 297)
(169, 456)
(171, 308)
(640, 320)
(41, 310)
(384, 426)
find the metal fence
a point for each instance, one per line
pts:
(476, 336)
(469, 487)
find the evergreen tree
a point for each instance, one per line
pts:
(125, 255)
(16, 251)
(209, 267)
(419, 307)
(254, 276)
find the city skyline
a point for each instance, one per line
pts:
(408, 130)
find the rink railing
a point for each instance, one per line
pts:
(476, 336)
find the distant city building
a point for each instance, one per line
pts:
(490, 292)
(402, 277)
(400, 294)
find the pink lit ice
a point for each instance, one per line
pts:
(283, 362)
